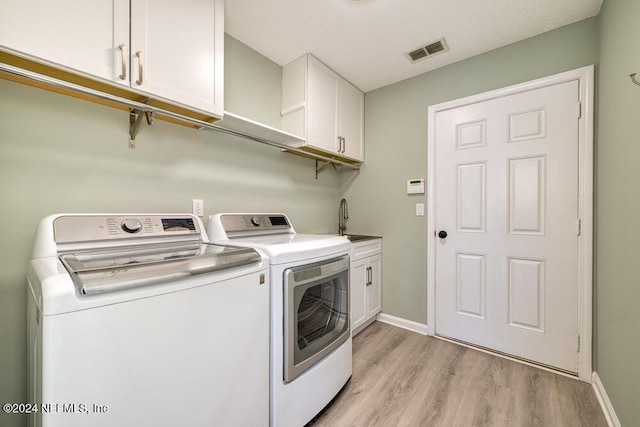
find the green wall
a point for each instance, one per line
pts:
(617, 209)
(396, 149)
(59, 154)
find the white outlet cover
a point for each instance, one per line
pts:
(197, 207)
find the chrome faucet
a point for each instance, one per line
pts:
(343, 216)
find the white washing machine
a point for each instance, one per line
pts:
(310, 327)
(135, 320)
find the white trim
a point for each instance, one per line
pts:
(605, 403)
(409, 325)
(362, 326)
(585, 77)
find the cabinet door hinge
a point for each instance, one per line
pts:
(578, 343)
(578, 226)
(579, 109)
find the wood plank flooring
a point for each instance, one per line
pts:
(401, 378)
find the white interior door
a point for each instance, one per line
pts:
(506, 194)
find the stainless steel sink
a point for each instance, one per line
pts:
(359, 237)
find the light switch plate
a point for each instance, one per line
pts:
(419, 209)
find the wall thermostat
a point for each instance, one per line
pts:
(415, 186)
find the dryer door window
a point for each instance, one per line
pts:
(316, 313)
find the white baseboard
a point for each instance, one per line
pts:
(605, 403)
(410, 325)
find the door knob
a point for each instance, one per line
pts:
(442, 234)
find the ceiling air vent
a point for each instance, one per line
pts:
(430, 49)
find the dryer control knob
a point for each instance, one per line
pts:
(255, 221)
(131, 225)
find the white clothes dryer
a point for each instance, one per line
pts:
(310, 327)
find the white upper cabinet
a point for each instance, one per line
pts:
(72, 34)
(167, 50)
(173, 51)
(322, 108)
(351, 120)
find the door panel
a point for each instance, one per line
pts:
(526, 293)
(506, 192)
(527, 196)
(471, 200)
(470, 284)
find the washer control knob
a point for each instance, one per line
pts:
(131, 225)
(255, 221)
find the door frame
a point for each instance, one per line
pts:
(585, 78)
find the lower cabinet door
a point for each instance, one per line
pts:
(358, 288)
(374, 290)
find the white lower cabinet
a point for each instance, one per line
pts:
(365, 278)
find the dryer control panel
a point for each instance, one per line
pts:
(255, 223)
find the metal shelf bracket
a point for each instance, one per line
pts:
(135, 120)
(324, 166)
(136, 108)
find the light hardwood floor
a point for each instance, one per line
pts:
(401, 378)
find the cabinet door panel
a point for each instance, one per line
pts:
(178, 43)
(322, 108)
(358, 288)
(78, 35)
(374, 290)
(350, 120)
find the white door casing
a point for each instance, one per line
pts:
(513, 174)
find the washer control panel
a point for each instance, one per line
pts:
(131, 225)
(85, 228)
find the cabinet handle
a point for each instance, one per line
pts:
(140, 69)
(123, 53)
(344, 144)
(369, 276)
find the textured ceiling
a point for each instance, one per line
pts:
(365, 40)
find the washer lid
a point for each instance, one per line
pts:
(110, 270)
